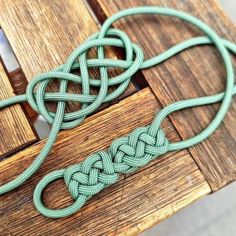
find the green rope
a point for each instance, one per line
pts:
(125, 154)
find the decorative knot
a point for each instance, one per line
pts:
(36, 90)
(125, 155)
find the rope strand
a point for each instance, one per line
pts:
(125, 154)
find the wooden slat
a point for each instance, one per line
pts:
(43, 33)
(19, 82)
(15, 130)
(135, 203)
(195, 72)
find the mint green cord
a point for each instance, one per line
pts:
(126, 154)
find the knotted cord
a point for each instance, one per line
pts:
(125, 154)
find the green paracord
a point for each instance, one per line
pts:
(125, 154)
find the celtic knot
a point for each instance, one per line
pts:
(126, 154)
(36, 89)
(103, 168)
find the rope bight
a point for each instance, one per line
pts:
(125, 154)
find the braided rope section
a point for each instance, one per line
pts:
(103, 168)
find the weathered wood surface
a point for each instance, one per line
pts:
(135, 203)
(43, 33)
(19, 82)
(15, 130)
(49, 31)
(195, 72)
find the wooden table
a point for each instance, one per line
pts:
(42, 34)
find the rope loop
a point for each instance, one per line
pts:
(103, 168)
(125, 154)
(36, 90)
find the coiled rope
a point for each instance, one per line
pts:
(125, 154)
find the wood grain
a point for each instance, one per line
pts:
(135, 203)
(44, 33)
(19, 83)
(195, 72)
(15, 130)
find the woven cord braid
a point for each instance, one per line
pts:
(125, 154)
(101, 169)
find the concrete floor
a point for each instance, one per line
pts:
(214, 215)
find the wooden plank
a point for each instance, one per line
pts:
(19, 82)
(195, 72)
(15, 130)
(43, 34)
(135, 203)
